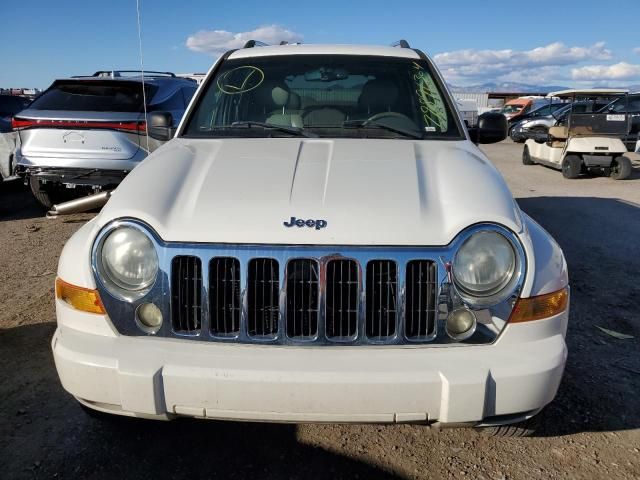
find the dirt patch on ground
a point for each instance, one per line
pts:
(592, 429)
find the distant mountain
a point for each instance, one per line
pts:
(521, 88)
(506, 87)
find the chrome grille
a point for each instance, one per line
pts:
(186, 294)
(382, 299)
(303, 299)
(342, 287)
(224, 296)
(239, 293)
(263, 288)
(420, 305)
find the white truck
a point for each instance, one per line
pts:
(321, 241)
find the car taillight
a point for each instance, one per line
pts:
(22, 123)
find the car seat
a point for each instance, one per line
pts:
(377, 96)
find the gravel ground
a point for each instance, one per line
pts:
(592, 430)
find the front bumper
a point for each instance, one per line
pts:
(74, 176)
(160, 378)
(77, 171)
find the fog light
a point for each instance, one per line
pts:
(461, 324)
(149, 317)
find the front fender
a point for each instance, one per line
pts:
(548, 266)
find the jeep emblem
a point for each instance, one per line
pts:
(299, 222)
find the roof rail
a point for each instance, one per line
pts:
(119, 73)
(401, 43)
(255, 43)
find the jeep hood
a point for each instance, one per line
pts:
(369, 192)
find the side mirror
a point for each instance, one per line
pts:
(492, 128)
(160, 126)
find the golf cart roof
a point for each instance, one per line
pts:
(587, 91)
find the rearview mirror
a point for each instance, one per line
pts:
(160, 126)
(492, 128)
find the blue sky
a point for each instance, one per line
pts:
(472, 41)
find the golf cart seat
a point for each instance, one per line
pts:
(558, 136)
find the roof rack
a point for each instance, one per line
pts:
(401, 43)
(255, 43)
(119, 73)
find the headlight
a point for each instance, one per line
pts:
(485, 265)
(128, 259)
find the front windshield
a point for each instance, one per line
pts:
(512, 108)
(350, 96)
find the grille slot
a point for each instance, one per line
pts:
(224, 296)
(263, 287)
(421, 305)
(186, 294)
(381, 298)
(342, 288)
(302, 299)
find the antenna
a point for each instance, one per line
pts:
(144, 94)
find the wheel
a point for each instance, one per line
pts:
(526, 428)
(47, 195)
(526, 157)
(571, 166)
(620, 168)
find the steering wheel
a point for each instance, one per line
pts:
(391, 115)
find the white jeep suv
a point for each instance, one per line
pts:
(322, 241)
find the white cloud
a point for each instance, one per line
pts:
(617, 71)
(506, 65)
(636, 50)
(217, 42)
(553, 54)
(535, 76)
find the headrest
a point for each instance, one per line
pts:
(280, 96)
(294, 101)
(272, 94)
(380, 93)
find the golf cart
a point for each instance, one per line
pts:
(586, 142)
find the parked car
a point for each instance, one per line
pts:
(9, 106)
(321, 241)
(516, 107)
(631, 106)
(538, 126)
(85, 134)
(543, 110)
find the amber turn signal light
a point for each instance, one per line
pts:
(542, 306)
(80, 298)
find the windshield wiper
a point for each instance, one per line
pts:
(382, 126)
(297, 131)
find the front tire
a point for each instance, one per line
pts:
(526, 156)
(571, 166)
(620, 168)
(525, 428)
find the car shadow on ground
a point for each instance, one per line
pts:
(18, 203)
(635, 172)
(600, 239)
(45, 434)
